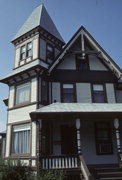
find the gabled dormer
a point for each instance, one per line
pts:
(37, 39)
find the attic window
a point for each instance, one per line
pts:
(49, 53)
(82, 62)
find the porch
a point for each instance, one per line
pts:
(70, 138)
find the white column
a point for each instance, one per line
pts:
(116, 125)
(78, 135)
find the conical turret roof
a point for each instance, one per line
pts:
(39, 17)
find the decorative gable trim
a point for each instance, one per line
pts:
(100, 52)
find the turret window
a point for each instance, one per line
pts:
(49, 53)
(26, 51)
(29, 49)
(23, 93)
(23, 52)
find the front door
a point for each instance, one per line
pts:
(68, 139)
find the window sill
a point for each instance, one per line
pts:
(20, 155)
(22, 105)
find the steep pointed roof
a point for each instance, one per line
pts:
(39, 17)
(103, 54)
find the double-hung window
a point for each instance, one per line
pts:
(99, 93)
(103, 138)
(23, 52)
(23, 93)
(50, 53)
(68, 93)
(21, 139)
(29, 49)
(26, 51)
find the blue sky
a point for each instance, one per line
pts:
(102, 18)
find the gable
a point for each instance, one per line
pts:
(83, 43)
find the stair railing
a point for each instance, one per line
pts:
(84, 169)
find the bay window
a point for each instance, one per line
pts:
(21, 139)
(23, 93)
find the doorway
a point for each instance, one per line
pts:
(68, 139)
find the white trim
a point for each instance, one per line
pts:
(108, 61)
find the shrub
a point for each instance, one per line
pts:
(51, 175)
(14, 170)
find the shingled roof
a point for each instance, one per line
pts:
(39, 17)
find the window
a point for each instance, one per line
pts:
(29, 49)
(23, 93)
(23, 53)
(50, 53)
(21, 139)
(82, 62)
(103, 138)
(98, 93)
(68, 93)
(44, 92)
(26, 51)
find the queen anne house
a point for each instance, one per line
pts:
(65, 102)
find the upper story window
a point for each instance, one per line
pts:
(23, 93)
(29, 49)
(82, 62)
(68, 93)
(99, 95)
(44, 92)
(26, 51)
(21, 139)
(49, 53)
(23, 52)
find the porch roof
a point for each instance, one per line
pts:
(79, 108)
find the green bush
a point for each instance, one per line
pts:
(51, 175)
(16, 170)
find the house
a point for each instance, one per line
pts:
(65, 102)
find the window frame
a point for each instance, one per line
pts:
(15, 97)
(74, 92)
(50, 45)
(22, 53)
(85, 61)
(12, 140)
(26, 51)
(98, 141)
(42, 101)
(104, 92)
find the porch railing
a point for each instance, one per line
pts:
(59, 162)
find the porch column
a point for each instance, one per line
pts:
(116, 125)
(77, 121)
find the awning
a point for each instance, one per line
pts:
(77, 109)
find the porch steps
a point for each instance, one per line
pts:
(107, 173)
